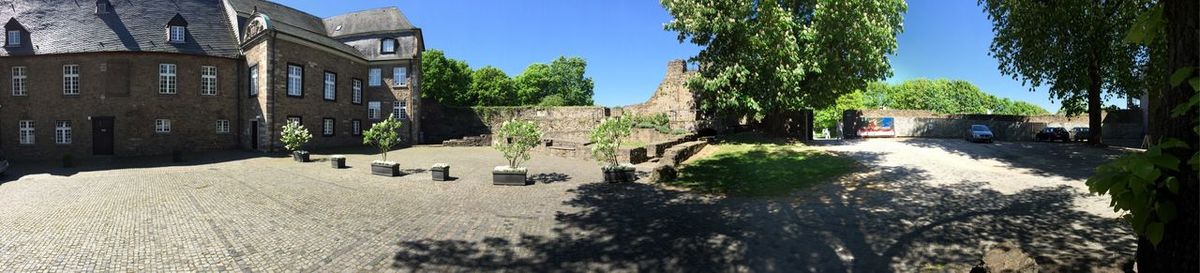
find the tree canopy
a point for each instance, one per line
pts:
(938, 95)
(444, 79)
(1075, 47)
(765, 56)
(452, 82)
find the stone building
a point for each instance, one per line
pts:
(91, 78)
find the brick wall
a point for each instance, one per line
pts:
(124, 86)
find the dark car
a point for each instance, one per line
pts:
(979, 133)
(1053, 134)
(1080, 133)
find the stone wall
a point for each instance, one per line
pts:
(571, 123)
(1118, 126)
(124, 86)
(672, 98)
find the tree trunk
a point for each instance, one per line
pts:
(1095, 106)
(1179, 250)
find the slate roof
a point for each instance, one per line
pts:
(379, 20)
(291, 21)
(64, 26)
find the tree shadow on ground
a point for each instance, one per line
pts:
(1071, 160)
(54, 167)
(885, 220)
(547, 178)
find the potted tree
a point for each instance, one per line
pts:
(384, 135)
(293, 137)
(514, 139)
(606, 140)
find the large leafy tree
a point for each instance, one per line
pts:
(768, 56)
(1072, 46)
(562, 80)
(445, 80)
(490, 86)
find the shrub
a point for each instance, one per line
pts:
(553, 100)
(514, 139)
(294, 136)
(606, 139)
(383, 135)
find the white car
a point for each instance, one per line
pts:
(979, 133)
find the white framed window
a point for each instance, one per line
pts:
(222, 126)
(178, 34)
(376, 77)
(18, 81)
(162, 126)
(14, 38)
(295, 81)
(373, 108)
(71, 79)
(254, 80)
(166, 78)
(356, 127)
(327, 125)
(208, 80)
(400, 109)
(400, 76)
(387, 46)
(356, 91)
(62, 132)
(330, 86)
(26, 131)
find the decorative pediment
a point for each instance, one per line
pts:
(257, 25)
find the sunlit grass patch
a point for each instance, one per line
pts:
(761, 168)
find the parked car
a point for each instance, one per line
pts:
(979, 133)
(1080, 133)
(1052, 134)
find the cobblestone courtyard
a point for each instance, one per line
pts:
(917, 205)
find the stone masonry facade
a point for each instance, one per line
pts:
(354, 70)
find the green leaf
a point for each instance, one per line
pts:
(1195, 82)
(1155, 232)
(1172, 143)
(1166, 211)
(1144, 170)
(1180, 75)
(1164, 161)
(1195, 161)
(1172, 184)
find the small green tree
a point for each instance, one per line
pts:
(515, 138)
(383, 135)
(294, 136)
(606, 138)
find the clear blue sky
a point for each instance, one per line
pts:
(627, 49)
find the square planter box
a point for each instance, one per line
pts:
(300, 156)
(385, 169)
(440, 173)
(337, 163)
(509, 178)
(620, 176)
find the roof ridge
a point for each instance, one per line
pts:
(295, 9)
(362, 11)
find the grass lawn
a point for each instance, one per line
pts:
(632, 144)
(756, 166)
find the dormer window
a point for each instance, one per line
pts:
(14, 38)
(387, 46)
(177, 29)
(14, 34)
(103, 7)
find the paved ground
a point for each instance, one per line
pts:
(918, 204)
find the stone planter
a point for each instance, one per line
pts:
(337, 162)
(509, 177)
(385, 169)
(300, 156)
(441, 172)
(621, 174)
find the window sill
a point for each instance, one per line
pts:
(161, 93)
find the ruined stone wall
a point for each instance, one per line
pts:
(672, 98)
(571, 123)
